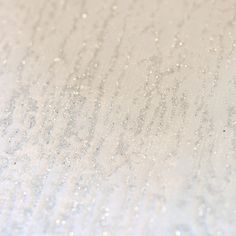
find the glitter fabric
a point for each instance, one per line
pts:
(118, 118)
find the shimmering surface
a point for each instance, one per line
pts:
(118, 117)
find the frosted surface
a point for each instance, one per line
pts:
(118, 117)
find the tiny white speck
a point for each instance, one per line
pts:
(177, 233)
(57, 59)
(84, 15)
(163, 209)
(114, 7)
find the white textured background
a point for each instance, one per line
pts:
(118, 117)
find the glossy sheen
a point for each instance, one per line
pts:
(118, 118)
